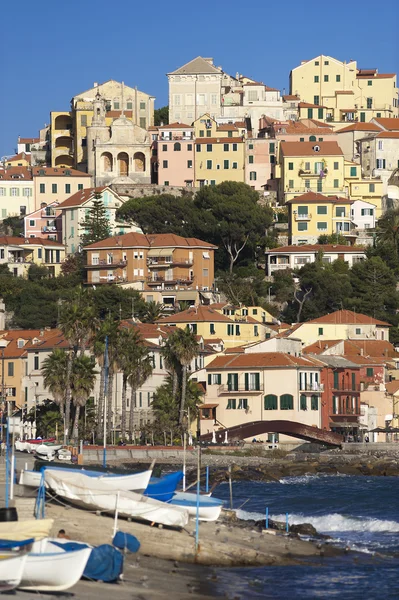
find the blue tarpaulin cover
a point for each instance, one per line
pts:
(163, 488)
(8, 544)
(126, 541)
(105, 562)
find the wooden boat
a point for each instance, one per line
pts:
(95, 494)
(209, 508)
(54, 571)
(136, 482)
(11, 571)
(24, 530)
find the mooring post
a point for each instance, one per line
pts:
(230, 488)
(287, 527)
(267, 518)
(207, 480)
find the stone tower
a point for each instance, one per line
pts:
(97, 133)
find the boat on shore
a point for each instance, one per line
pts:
(137, 482)
(11, 571)
(94, 493)
(53, 571)
(209, 508)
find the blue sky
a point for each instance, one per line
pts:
(51, 51)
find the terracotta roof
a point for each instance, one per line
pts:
(392, 387)
(57, 172)
(28, 335)
(81, 197)
(20, 156)
(297, 127)
(306, 149)
(290, 97)
(308, 105)
(28, 140)
(365, 360)
(260, 360)
(315, 248)
(359, 127)
(235, 350)
(196, 66)
(390, 124)
(314, 197)
(388, 134)
(227, 127)
(375, 75)
(218, 305)
(175, 126)
(16, 174)
(148, 331)
(228, 140)
(374, 348)
(201, 313)
(348, 317)
(320, 346)
(240, 124)
(156, 240)
(153, 128)
(6, 240)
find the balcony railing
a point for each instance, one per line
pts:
(346, 387)
(105, 263)
(231, 389)
(49, 228)
(306, 217)
(311, 387)
(49, 213)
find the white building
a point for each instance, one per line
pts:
(16, 192)
(363, 214)
(294, 257)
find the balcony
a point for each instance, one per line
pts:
(107, 279)
(49, 229)
(241, 388)
(306, 217)
(63, 132)
(310, 174)
(105, 264)
(151, 280)
(346, 387)
(311, 387)
(49, 212)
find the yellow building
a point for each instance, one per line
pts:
(348, 93)
(19, 160)
(68, 136)
(256, 312)
(20, 253)
(210, 324)
(219, 152)
(312, 215)
(365, 189)
(310, 166)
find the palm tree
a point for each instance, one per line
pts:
(153, 312)
(54, 372)
(127, 340)
(388, 229)
(82, 384)
(172, 362)
(186, 348)
(78, 323)
(141, 369)
(108, 329)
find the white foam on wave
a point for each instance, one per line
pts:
(303, 479)
(337, 522)
(246, 515)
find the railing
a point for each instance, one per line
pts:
(306, 217)
(346, 387)
(49, 213)
(105, 263)
(49, 228)
(231, 389)
(311, 387)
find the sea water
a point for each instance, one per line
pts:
(357, 512)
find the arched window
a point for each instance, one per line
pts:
(177, 147)
(312, 138)
(139, 162)
(286, 402)
(107, 162)
(270, 402)
(123, 164)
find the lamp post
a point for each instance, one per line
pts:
(3, 345)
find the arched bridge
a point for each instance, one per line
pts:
(255, 428)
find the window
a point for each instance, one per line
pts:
(322, 226)
(310, 113)
(336, 166)
(380, 163)
(10, 369)
(316, 63)
(272, 159)
(353, 171)
(209, 147)
(129, 105)
(225, 164)
(371, 187)
(193, 327)
(320, 139)
(232, 382)
(42, 188)
(80, 186)
(307, 183)
(286, 402)
(214, 379)
(189, 164)
(230, 329)
(370, 372)
(116, 106)
(143, 122)
(362, 117)
(316, 79)
(319, 185)
(290, 166)
(302, 226)
(270, 402)
(226, 147)
(231, 404)
(325, 77)
(36, 362)
(290, 183)
(316, 99)
(209, 164)
(251, 159)
(177, 147)
(238, 330)
(272, 146)
(212, 330)
(302, 402)
(314, 402)
(380, 145)
(326, 62)
(320, 116)
(235, 165)
(198, 147)
(83, 120)
(213, 181)
(322, 210)
(54, 188)
(39, 253)
(252, 381)
(321, 330)
(165, 164)
(301, 139)
(252, 176)
(189, 147)
(369, 82)
(67, 188)
(367, 212)
(31, 222)
(338, 78)
(369, 103)
(340, 211)
(336, 183)
(142, 105)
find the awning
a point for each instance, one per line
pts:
(160, 252)
(201, 406)
(187, 295)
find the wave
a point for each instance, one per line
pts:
(301, 479)
(246, 515)
(337, 522)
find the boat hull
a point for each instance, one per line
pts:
(136, 482)
(54, 571)
(209, 508)
(11, 571)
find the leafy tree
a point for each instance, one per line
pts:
(388, 230)
(73, 269)
(166, 405)
(246, 285)
(333, 238)
(161, 116)
(127, 341)
(153, 311)
(38, 272)
(48, 418)
(283, 286)
(96, 223)
(13, 226)
(117, 302)
(230, 215)
(54, 372)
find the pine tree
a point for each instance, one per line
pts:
(96, 223)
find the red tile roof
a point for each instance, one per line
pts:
(28, 140)
(308, 105)
(388, 134)
(16, 174)
(288, 97)
(359, 127)
(156, 240)
(320, 346)
(374, 348)
(175, 126)
(390, 124)
(81, 197)
(201, 313)
(361, 75)
(228, 140)
(392, 387)
(306, 149)
(261, 360)
(348, 317)
(316, 248)
(57, 172)
(20, 156)
(314, 197)
(6, 240)
(227, 127)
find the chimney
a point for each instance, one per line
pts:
(209, 60)
(95, 84)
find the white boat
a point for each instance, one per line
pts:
(54, 571)
(136, 482)
(209, 508)
(11, 571)
(95, 494)
(47, 451)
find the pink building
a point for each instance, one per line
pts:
(259, 170)
(175, 155)
(45, 223)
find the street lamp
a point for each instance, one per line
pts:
(3, 346)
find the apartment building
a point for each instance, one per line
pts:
(45, 222)
(16, 192)
(22, 159)
(55, 184)
(20, 253)
(294, 257)
(379, 155)
(174, 147)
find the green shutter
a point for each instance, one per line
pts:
(209, 379)
(310, 113)
(246, 381)
(303, 402)
(257, 381)
(336, 381)
(353, 381)
(219, 378)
